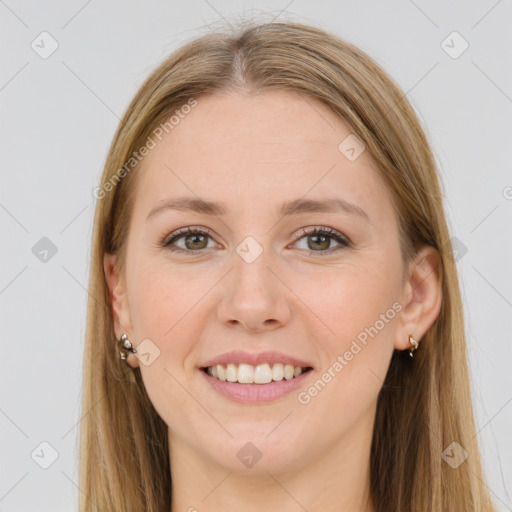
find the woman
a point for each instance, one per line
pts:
(275, 320)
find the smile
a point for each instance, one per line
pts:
(259, 374)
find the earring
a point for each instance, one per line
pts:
(414, 344)
(125, 344)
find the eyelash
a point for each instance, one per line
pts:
(329, 232)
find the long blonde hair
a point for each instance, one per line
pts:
(422, 407)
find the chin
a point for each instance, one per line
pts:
(253, 451)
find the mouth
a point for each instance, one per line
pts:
(255, 378)
(264, 373)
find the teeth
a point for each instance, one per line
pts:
(231, 373)
(278, 372)
(289, 371)
(221, 372)
(245, 373)
(248, 374)
(262, 374)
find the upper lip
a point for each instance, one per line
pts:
(254, 359)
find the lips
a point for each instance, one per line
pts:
(265, 391)
(238, 357)
(255, 378)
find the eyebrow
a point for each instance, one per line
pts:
(298, 206)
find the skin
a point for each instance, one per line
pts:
(253, 153)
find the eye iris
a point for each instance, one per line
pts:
(195, 236)
(324, 239)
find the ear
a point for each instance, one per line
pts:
(421, 299)
(118, 301)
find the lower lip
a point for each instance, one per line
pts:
(255, 393)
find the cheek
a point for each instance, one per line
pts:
(162, 309)
(357, 306)
(356, 310)
(159, 298)
(166, 307)
(345, 301)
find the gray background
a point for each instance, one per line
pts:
(58, 116)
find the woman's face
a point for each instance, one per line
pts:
(253, 288)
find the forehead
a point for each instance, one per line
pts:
(251, 151)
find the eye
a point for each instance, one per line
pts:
(196, 239)
(321, 239)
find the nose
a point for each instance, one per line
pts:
(254, 296)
